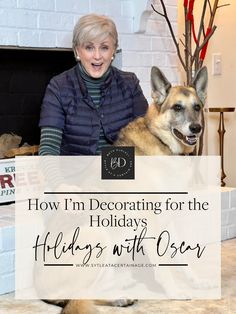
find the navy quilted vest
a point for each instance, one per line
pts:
(67, 106)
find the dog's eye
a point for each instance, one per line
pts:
(197, 107)
(177, 107)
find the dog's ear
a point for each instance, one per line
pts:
(160, 85)
(200, 83)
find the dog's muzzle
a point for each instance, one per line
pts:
(189, 140)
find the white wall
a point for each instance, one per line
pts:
(222, 89)
(49, 24)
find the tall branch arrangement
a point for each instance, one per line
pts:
(193, 48)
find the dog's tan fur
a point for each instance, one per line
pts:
(153, 135)
(87, 306)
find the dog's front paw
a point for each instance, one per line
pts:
(123, 302)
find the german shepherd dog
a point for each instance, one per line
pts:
(171, 126)
(173, 122)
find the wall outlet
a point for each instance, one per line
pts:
(216, 64)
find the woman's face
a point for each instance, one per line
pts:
(96, 56)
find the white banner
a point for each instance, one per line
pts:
(156, 236)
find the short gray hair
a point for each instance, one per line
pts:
(93, 26)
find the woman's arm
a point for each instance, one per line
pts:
(50, 141)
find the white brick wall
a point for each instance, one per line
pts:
(7, 249)
(46, 5)
(228, 213)
(49, 24)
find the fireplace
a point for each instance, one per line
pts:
(24, 75)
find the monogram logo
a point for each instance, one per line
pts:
(118, 163)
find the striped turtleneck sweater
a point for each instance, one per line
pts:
(50, 140)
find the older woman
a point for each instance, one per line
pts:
(85, 107)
